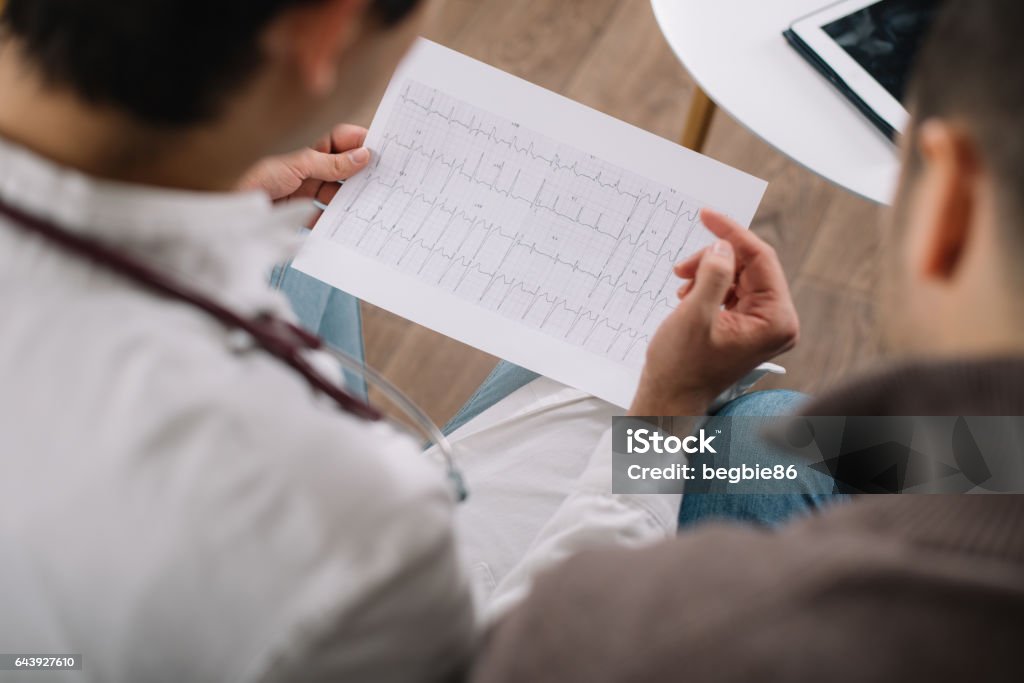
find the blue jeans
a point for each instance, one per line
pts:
(707, 501)
(329, 313)
(334, 315)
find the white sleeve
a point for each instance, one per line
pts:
(380, 593)
(414, 618)
(590, 516)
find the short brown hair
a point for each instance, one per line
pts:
(164, 62)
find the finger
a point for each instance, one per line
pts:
(323, 144)
(684, 290)
(757, 258)
(310, 163)
(688, 268)
(327, 192)
(311, 223)
(346, 136)
(746, 244)
(731, 299)
(714, 278)
(308, 189)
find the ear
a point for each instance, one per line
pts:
(314, 35)
(949, 194)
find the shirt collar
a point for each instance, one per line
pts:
(226, 243)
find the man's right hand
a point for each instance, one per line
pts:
(734, 313)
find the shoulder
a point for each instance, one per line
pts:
(248, 415)
(181, 379)
(736, 603)
(296, 517)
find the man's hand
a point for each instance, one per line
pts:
(313, 172)
(734, 313)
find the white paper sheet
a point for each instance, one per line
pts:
(520, 222)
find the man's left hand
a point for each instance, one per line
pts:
(313, 172)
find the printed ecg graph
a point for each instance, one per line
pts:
(533, 229)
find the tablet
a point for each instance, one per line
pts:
(866, 48)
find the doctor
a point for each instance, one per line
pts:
(175, 506)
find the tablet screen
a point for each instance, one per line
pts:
(883, 38)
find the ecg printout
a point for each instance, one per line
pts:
(482, 216)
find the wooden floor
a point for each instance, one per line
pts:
(610, 55)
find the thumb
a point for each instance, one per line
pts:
(328, 167)
(714, 278)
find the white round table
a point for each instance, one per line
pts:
(735, 52)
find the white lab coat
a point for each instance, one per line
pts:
(173, 510)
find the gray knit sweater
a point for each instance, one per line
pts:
(886, 588)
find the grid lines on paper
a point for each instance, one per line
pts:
(542, 233)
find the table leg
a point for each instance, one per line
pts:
(698, 120)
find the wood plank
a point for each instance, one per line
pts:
(539, 40)
(648, 88)
(436, 372)
(846, 249)
(453, 19)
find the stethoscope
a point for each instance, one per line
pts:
(281, 338)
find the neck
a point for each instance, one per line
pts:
(992, 324)
(985, 301)
(101, 142)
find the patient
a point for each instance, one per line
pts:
(886, 587)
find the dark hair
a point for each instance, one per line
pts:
(165, 62)
(971, 69)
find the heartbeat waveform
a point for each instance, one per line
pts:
(454, 258)
(528, 150)
(402, 241)
(621, 238)
(655, 201)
